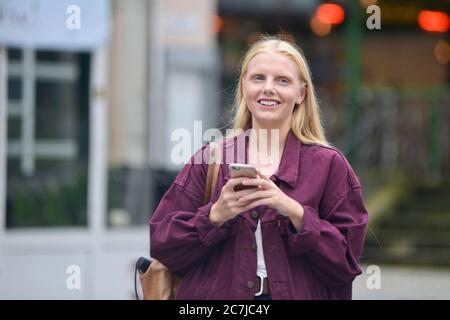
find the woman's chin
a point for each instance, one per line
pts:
(267, 119)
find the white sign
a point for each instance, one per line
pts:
(54, 24)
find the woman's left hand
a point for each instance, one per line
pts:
(270, 195)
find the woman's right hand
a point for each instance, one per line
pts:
(227, 206)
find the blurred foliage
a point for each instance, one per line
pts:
(49, 205)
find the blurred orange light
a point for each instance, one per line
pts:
(319, 28)
(442, 52)
(218, 24)
(330, 13)
(433, 21)
(366, 3)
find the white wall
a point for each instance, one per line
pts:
(33, 264)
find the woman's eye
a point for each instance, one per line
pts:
(283, 81)
(258, 78)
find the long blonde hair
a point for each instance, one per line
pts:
(306, 123)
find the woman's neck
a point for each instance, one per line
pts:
(267, 144)
(275, 135)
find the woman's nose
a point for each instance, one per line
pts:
(268, 86)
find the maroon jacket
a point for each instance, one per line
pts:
(319, 262)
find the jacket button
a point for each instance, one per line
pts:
(250, 284)
(254, 215)
(254, 247)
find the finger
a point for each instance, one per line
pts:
(258, 173)
(261, 175)
(256, 195)
(257, 203)
(239, 207)
(235, 181)
(264, 177)
(257, 182)
(229, 186)
(239, 194)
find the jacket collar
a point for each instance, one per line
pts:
(290, 160)
(289, 163)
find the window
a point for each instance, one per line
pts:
(48, 132)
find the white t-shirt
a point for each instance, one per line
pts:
(261, 266)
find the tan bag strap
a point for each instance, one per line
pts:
(213, 172)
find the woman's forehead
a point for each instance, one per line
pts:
(272, 61)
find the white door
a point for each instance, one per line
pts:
(53, 240)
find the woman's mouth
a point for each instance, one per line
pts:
(268, 103)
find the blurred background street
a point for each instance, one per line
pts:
(405, 283)
(92, 91)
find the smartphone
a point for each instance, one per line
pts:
(242, 170)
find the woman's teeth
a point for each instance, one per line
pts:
(268, 103)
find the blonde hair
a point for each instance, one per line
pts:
(306, 123)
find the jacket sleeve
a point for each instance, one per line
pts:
(181, 233)
(332, 237)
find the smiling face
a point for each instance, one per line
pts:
(271, 87)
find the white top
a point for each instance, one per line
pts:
(261, 266)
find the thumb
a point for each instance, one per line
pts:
(261, 175)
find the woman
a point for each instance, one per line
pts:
(299, 233)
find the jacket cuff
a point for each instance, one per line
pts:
(209, 234)
(307, 238)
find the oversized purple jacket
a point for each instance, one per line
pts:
(319, 262)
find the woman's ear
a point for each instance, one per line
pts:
(302, 96)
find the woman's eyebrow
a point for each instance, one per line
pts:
(289, 77)
(284, 76)
(276, 76)
(254, 74)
